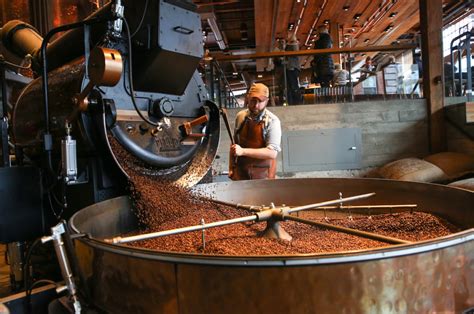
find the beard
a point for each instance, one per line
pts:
(255, 113)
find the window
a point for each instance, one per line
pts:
(454, 30)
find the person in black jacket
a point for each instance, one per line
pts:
(293, 72)
(323, 65)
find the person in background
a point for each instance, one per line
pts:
(417, 60)
(323, 65)
(448, 79)
(367, 69)
(368, 78)
(341, 76)
(257, 137)
(279, 74)
(293, 72)
(393, 71)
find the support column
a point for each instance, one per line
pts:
(334, 33)
(431, 24)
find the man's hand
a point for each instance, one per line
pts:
(236, 150)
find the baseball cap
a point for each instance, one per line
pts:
(259, 91)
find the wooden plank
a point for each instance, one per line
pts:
(334, 31)
(309, 18)
(431, 24)
(283, 18)
(470, 112)
(263, 29)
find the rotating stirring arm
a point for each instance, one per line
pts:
(265, 215)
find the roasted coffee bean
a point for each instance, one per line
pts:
(161, 205)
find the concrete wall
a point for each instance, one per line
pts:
(390, 130)
(457, 128)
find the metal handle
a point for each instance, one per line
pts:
(183, 30)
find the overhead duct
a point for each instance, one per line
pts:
(212, 21)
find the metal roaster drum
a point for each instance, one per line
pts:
(432, 275)
(90, 99)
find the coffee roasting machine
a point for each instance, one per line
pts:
(125, 79)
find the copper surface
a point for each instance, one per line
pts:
(188, 126)
(429, 276)
(105, 66)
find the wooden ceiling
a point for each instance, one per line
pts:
(254, 26)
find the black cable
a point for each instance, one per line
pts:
(141, 21)
(30, 290)
(41, 281)
(136, 97)
(26, 277)
(130, 81)
(58, 216)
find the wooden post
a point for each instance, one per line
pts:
(431, 24)
(334, 32)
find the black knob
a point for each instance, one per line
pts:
(162, 108)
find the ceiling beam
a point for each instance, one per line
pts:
(263, 29)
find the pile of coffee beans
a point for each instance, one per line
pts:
(246, 238)
(161, 205)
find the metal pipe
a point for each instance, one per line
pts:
(252, 208)
(255, 208)
(468, 67)
(212, 84)
(221, 74)
(337, 201)
(459, 50)
(453, 82)
(4, 115)
(181, 230)
(261, 216)
(364, 234)
(369, 206)
(460, 69)
(227, 125)
(63, 259)
(306, 52)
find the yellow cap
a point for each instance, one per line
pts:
(259, 91)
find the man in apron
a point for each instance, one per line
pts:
(257, 136)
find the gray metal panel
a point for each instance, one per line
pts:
(180, 30)
(323, 149)
(21, 210)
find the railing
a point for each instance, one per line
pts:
(225, 96)
(229, 77)
(463, 46)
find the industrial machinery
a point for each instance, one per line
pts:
(123, 79)
(137, 87)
